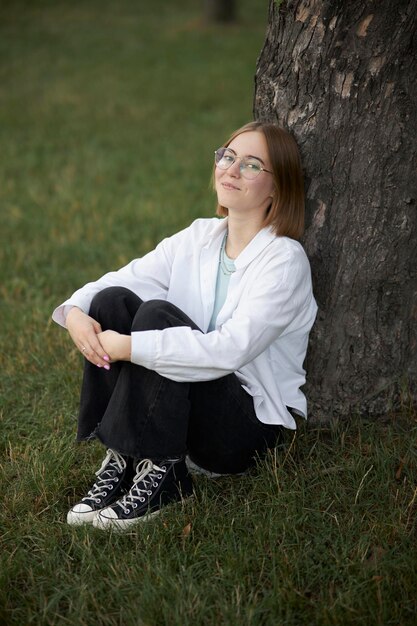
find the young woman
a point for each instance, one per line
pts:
(197, 348)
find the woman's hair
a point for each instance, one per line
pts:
(286, 212)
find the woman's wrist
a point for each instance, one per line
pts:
(70, 311)
(126, 347)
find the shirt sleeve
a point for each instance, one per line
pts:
(277, 302)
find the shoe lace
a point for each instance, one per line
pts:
(147, 475)
(112, 465)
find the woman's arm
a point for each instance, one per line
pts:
(117, 346)
(278, 301)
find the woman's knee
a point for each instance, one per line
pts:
(108, 296)
(159, 314)
(115, 307)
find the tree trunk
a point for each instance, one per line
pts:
(341, 76)
(220, 10)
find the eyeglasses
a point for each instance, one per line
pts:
(250, 167)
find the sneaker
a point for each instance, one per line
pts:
(111, 483)
(154, 486)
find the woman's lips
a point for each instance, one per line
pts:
(229, 186)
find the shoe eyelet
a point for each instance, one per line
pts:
(159, 476)
(142, 499)
(116, 479)
(135, 506)
(149, 492)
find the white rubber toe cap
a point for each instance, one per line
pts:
(80, 514)
(106, 518)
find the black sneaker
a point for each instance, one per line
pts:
(154, 486)
(113, 481)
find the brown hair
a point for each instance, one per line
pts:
(286, 212)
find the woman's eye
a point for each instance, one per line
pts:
(255, 167)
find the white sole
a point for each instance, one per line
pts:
(123, 526)
(120, 525)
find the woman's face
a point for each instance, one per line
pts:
(235, 192)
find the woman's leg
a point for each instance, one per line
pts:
(140, 414)
(224, 434)
(216, 420)
(135, 412)
(144, 415)
(114, 308)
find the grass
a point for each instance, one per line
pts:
(109, 113)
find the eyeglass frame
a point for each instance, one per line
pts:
(261, 169)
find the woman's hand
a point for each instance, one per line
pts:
(84, 331)
(117, 346)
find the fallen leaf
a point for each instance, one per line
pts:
(399, 471)
(186, 530)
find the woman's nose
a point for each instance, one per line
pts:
(234, 169)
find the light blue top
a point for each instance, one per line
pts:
(224, 271)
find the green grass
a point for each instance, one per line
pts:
(109, 115)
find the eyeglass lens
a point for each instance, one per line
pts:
(249, 166)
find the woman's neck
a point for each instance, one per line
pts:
(240, 234)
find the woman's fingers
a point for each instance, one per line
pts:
(92, 356)
(93, 351)
(84, 333)
(97, 327)
(99, 354)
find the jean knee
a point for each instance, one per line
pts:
(152, 315)
(107, 296)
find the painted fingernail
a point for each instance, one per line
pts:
(98, 365)
(106, 367)
(105, 357)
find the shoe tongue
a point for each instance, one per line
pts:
(108, 472)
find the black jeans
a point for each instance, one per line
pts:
(142, 414)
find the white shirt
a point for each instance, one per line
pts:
(261, 331)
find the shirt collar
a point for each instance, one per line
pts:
(255, 247)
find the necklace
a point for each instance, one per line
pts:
(226, 266)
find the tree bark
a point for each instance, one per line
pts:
(341, 76)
